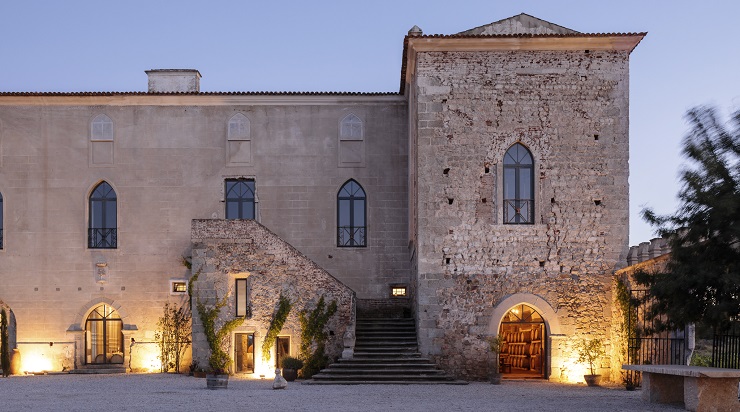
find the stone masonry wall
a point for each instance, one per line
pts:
(570, 109)
(224, 250)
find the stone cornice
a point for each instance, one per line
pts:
(143, 99)
(458, 43)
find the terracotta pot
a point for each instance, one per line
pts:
(592, 380)
(217, 381)
(15, 362)
(290, 374)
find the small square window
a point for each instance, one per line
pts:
(178, 286)
(398, 291)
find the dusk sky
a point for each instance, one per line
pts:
(690, 57)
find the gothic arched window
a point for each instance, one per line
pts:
(351, 215)
(103, 223)
(240, 199)
(518, 186)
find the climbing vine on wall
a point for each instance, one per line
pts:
(276, 325)
(217, 336)
(314, 336)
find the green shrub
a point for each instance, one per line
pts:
(290, 362)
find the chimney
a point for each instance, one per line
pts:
(174, 81)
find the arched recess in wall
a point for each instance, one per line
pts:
(102, 322)
(552, 322)
(525, 322)
(239, 140)
(85, 310)
(351, 141)
(101, 141)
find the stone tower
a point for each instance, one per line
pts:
(518, 190)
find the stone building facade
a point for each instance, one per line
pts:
(495, 181)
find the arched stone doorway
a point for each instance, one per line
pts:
(523, 353)
(545, 319)
(104, 336)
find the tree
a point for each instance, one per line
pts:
(702, 278)
(4, 346)
(173, 336)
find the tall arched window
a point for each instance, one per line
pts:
(518, 186)
(1, 221)
(103, 224)
(351, 213)
(239, 199)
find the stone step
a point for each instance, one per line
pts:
(388, 382)
(411, 358)
(386, 338)
(381, 377)
(385, 332)
(99, 370)
(385, 352)
(401, 370)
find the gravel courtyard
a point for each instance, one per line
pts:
(156, 392)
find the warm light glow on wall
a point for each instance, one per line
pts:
(35, 362)
(145, 357)
(574, 370)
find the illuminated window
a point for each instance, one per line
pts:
(351, 210)
(240, 199)
(241, 296)
(398, 291)
(102, 226)
(178, 286)
(518, 186)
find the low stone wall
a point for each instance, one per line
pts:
(226, 250)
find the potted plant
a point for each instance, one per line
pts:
(291, 366)
(495, 344)
(589, 351)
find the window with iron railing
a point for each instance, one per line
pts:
(351, 215)
(103, 230)
(518, 186)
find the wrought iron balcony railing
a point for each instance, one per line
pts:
(351, 236)
(518, 211)
(100, 238)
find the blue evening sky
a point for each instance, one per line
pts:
(690, 57)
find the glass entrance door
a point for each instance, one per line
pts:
(244, 356)
(104, 336)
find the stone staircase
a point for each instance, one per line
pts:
(386, 352)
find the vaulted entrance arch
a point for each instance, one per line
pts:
(528, 324)
(523, 353)
(104, 336)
